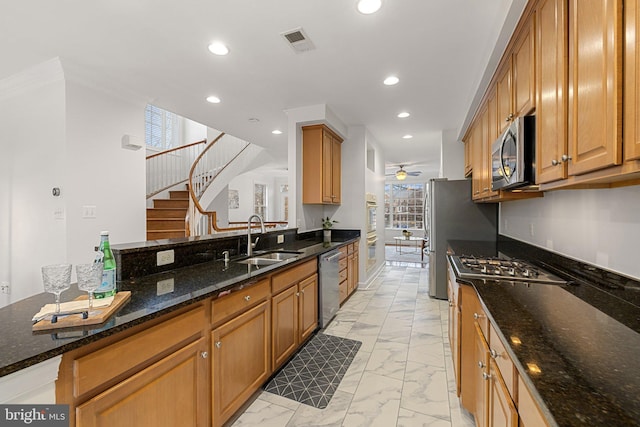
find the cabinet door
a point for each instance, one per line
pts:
(524, 70)
(336, 171)
(486, 154)
(551, 90)
(308, 300)
(502, 411)
(595, 90)
(632, 81)
(168, 393)
(327, 168)
(241, 362)
(476, 147)
(284, 326)
(481, 352)
(503, 96)
(468, 165)
(350, 275)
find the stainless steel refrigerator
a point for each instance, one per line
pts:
(452, 215)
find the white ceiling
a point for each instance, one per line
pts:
(157, 50)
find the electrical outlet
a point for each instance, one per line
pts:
(164, 257)
(5, 288)
(531, 233)
(280, 238)
(89, 212)
(164, 286)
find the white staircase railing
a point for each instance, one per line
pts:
(171, 167)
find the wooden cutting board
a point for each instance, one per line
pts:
(96, 315)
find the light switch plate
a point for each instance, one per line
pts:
(164, 257)
(280, 238)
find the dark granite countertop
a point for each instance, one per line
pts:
(583, 336)
(21, 347)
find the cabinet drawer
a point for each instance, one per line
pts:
(342, 264)
(343, 274)
(283, 280)
(344, 251)
(104, 365)
(350, 248)
(230, 305)
(503, 361)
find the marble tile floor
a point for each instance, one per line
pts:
(402, 375)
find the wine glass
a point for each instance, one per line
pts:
(56, 279)
(89, 278)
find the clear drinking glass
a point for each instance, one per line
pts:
(56, 279)
(89, 278)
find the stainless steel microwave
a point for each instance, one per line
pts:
(513, 155)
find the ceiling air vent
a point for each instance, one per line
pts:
(298, 40)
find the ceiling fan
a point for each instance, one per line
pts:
(402, 174)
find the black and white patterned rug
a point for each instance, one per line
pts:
(313, 375)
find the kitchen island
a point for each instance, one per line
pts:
(573, 346)
(178, 309)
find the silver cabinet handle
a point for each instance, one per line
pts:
(480, 364)
(247, 298)
(204, 354)
(297, 294)
(450, 303)
(302, 291)
(565, 158)
(477, 316)
(554, 162)
(218, 344)
(485, 376)
(494, 354)
(509, 118)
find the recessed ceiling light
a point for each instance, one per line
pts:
(213, 99)
(218, 48)
(276, 132)
(253, 120)
(391, 80)
(407, 137)
(368, 6)
(403, 115)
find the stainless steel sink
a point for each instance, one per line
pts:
(269, 258)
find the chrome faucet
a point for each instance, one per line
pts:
(250, 244)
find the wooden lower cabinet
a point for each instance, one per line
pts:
(491, 388)
(481, 392)
(240, 361)
(168, 393)
(294, 318)
(501, 410)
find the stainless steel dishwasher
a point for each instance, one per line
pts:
(329, 290)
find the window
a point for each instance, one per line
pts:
(260, 200)
(161, 128)
(404, 205)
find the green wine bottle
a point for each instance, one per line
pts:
(108, 286)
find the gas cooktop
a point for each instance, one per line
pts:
(501, 269)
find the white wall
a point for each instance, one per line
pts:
(33, 148)
(101, 173)
(59, 133)
(451, 156)
(600, 227)
(244, 184)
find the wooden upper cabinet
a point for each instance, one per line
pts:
(515, 79)
(632, 81)
(321, 165)
(468, 164)
(504, 99)
(551, 89)
(491, 134)
(595, 85)
(523, 63)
